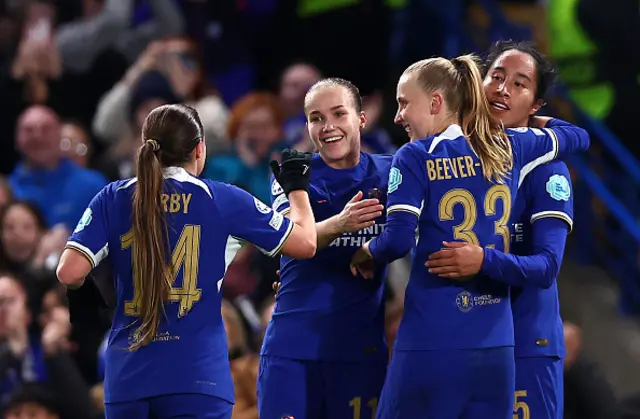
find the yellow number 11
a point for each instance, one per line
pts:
(356, 404)
(185, 255)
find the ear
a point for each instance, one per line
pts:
(436, 103)
(201, 149)
(539, 103)
(363, 120)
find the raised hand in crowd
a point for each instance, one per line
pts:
(55, 335)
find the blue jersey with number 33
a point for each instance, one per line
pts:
(438, 186)
(208, 221)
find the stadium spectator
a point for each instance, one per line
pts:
(59, 187)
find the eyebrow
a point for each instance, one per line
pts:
(332, 109)
(522, 75)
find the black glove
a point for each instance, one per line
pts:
(294, 172)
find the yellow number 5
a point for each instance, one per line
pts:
(356, 404)
(185, 255)
(520, 407)
(464, 230)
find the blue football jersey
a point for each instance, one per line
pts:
(438, 186)
(545, 192)
(322, 312)
(208, 222)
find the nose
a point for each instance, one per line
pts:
(502, 89)
(327, 127)
(397, 119)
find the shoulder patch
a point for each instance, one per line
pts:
(84, 221)
(520, 129)
(276, 189)
(261, 206)
(558, 188)
(395, 179)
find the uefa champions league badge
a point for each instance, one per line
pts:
(558, 188)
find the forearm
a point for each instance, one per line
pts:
(397, 239)
(540, 269)
(301, 213)
(327, 231)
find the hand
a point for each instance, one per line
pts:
(294, 173)
(275, 286)
(52, 242)
(362, 262)
(55, 335)
(539, 121)
(457, 260)
(182, 79)
(358, 214)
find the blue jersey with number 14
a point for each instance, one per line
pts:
(207, 222)
(438, 186)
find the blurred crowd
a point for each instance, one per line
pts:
(78, 78)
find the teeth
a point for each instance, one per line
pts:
(499, 106)
(332, 139)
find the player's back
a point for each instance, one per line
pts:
(322, 312)
(459, 204)
(189, 352)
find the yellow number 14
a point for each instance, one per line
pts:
(185, 255)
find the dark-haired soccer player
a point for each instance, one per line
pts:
(324, 352)
(456, 180)
(516, 80)
(170, 237)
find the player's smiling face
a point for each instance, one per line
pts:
(415, 111)
(334, 124)
(511, 86)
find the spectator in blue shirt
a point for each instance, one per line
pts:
(57, 185)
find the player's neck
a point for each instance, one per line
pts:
(347, 162)
(191, 169)
(441, 126)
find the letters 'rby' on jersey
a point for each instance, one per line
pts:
(208, 221)
(323, 312)
(437, 185)
(545, 193)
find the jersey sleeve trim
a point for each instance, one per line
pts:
(280, 245)
(553, 214)
(94, 259)
(406, 208)
(545, 158)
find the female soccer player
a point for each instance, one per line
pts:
(324, 352)
(517, 78)
(170, 237)
(455, 180)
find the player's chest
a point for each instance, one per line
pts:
(330, 198)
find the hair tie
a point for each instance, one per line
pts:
(459, 66)
(155, 146)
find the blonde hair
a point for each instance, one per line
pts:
(460, 82)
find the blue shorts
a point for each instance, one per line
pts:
(318, 389)
(453, 384)
(171, 406)
(539, 388)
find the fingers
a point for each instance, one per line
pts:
(365, 203)
(443, 261)
(275, 168)
(441, 254)
(454, 245)
(444, 270)
(357, 197)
